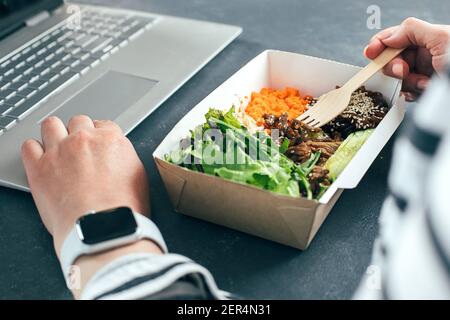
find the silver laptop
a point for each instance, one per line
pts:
(65, 59)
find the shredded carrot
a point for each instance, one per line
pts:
(277, 102)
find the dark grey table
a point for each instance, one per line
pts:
(246, 265)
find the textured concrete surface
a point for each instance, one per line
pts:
(248, 266)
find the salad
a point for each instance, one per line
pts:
(261, 143)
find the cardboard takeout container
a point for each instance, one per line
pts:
(287, 220)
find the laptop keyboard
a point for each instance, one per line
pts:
(60, 57)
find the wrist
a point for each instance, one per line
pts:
(101, 236)
(62, 227)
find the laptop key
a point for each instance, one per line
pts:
(4, 108)
(15, 101)
(28, 70)
(54, 64)
(58, 56)
(81, 68)
(60, 68)
(4, 85)
(41, 70)
(71, 62)
(53, 77)
(51, 45)
(21, 69)
(84, 42)
(142, 21)
(27, 92)
(6, 122)
(113, 34)
(19, 85)
(39, 84)
(132, 32)
(77, 36)
(50, 56)
(98, 44)
(20, 65)
(92, 58)
(9, 78)
(81, 56)
(16, 57)
(7, 93)
(64, 36)
(9, 72)
(31, 58)
(30, 78)
(4, 64)
(40, 48)
(17, 77)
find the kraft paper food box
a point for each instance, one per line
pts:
(287, 220)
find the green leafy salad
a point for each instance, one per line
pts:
(225, 148)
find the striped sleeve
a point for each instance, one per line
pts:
(412, 252)
(150, 276)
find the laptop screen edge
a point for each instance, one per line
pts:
(16, 19)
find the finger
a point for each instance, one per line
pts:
(409, 96)
(78, 123)
(53, 131)
(376, 46)
(397, 68)
(424, 62)
(412, 32)
(432, 40)
(409, 55)
(440, 62)
(415, 83)
(32, 152)
(383, 34)
(107, 124)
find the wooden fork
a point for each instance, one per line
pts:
(333, 103)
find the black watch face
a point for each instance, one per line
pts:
(104, 226)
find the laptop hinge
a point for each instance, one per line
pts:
(38, 18)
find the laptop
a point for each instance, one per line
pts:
(65, 59)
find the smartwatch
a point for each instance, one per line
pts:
(101, 231)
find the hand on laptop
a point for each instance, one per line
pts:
(90, 165)
(426, 52)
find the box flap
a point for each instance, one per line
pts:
(173, 182)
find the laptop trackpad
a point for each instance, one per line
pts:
(107, 97)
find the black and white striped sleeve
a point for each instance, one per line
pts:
(151, 276)
(411, 256)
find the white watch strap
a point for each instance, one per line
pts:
(73, 247)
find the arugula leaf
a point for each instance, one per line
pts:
(230, 119)
(310, 163)
(284, 145)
